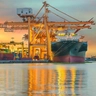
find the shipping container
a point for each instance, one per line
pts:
(1, 56)
(7, 56)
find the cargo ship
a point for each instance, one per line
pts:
(69, 48)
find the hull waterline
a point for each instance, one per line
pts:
(69, 59)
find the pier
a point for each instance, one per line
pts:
(23, 61)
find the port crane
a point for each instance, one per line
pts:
(42, 32)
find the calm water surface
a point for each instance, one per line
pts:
(48, 79)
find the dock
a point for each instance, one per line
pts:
(24, 61)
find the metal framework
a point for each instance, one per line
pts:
(41, 32)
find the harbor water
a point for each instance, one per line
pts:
(48, 79)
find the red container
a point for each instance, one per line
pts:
(8, 56)
(1, 56)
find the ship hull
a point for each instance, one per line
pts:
(71, 59)
(72, 52)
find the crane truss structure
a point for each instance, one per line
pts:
(42, 32)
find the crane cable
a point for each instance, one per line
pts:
(64, 48)
(64, 13)
(60, 48)
(59, 16)
(58, 51)
(40, 18)
(38, 12)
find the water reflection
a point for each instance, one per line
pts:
(58, 81)
(42, 80)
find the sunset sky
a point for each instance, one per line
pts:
(82, 10)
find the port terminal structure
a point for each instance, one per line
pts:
(7, 44)
(41, 31)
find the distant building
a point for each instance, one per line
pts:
(92, 58)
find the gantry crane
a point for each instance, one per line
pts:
(42, 32)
